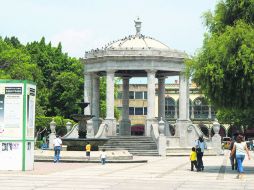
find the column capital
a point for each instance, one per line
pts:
(126, 77)
(161, 77)
(95, 75)
(87, 73)
(110, 71)
(152, 71)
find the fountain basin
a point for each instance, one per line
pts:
(81, 117)
(78, 144)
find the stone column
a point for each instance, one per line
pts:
(150, 119)
(125, 124)
(110, 119)
(176, 109)
(192, 111)
(96, 103)
(161, 104)
(183, 124)
(183, 98)
(88, 93)
(161, 98)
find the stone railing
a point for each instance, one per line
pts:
(135, 52)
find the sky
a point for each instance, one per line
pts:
(82, 25)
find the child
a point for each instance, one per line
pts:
(193, 158)
(103, 157)
(88, 149)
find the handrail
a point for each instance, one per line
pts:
(155, 132)
(102, 132)
(72, 129)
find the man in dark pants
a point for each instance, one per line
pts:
(199, 159)
(200, 145)
(232, 158)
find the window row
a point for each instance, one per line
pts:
(136, 110)
(134, 95)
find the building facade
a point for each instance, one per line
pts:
(201, 112)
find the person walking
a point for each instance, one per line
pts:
(240, 148)
(200, 146)
(233, 160)
(57, 143)
(88, 150)
(103, 157)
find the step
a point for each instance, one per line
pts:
(136, 145)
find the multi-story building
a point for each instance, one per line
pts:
(201, 112)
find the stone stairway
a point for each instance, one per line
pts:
(136, 145)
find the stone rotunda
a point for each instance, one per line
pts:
(137, 56)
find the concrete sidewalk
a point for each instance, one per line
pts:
(162, 173)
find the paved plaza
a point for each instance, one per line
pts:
(159, 173)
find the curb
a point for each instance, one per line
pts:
(93, 161)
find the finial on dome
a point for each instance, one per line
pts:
(138, 26)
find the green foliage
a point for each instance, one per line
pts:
(66, 92)
(38, 144)
(227, 13)
(224, 69)
(224, 66)
(236, 117)
(59, 78)
(62, 79)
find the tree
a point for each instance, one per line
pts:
(66, 92)
(55, 66)
(224, 66)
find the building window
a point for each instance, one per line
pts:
(138, 95)
(139, 111)
(201, 108)
(170, 107)
(131, 95)
(145, 95)
(119, 95)
(131, 110)
(145, 110)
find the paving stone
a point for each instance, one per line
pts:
(159, 173)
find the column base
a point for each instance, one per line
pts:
(187, 132)
(149, 122)
(111, 122)
(125, 128)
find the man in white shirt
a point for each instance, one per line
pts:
(57, 148)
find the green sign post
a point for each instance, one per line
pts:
(17, 121)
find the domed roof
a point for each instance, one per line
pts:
(138, 42)
(136, 45)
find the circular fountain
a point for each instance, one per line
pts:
(76, 139)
